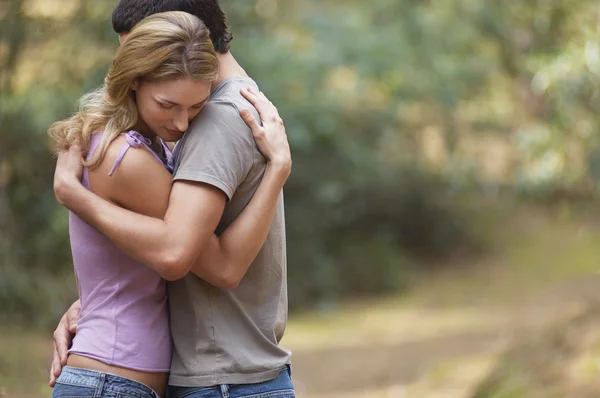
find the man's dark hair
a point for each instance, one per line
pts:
(129, 12)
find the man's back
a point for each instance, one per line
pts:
(229, 336)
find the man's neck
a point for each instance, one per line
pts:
(228, 67)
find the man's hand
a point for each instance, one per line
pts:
(63, 336)
(69, 171)
(271, 137)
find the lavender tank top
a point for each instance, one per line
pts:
(124, 319)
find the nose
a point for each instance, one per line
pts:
(181, 121)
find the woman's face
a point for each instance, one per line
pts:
(166, 108)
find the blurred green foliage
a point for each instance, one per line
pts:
(396, 109)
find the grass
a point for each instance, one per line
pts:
(24, 364)
(560, 360)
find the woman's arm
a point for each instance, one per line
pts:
(142, 185)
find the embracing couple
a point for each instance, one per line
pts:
(206, 215)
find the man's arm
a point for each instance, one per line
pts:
(171, 246)
(224, 260)
(241, 241)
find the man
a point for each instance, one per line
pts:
(225, 340)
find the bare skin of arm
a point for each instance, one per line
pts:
(184, 240)
(221, 261)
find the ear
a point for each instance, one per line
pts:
(134, 85)
(122, 37)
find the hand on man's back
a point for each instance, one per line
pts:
(63, 336)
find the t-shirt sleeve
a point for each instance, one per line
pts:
(218, 149)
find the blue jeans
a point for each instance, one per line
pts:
(280, 387)
(84, 383)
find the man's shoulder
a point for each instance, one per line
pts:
(230, 88)
(227, 94)
(222, 111)
(221, 116)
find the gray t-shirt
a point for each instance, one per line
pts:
(229, 336)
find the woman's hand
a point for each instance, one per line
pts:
(67, 174)
(63, 337)
(271, 137)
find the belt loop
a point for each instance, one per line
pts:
(225, 390)
(100, 387)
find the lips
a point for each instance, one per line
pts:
(174, 132)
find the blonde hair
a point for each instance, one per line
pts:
(170, 45)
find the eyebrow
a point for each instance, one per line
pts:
(175, 103)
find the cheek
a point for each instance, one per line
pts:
(193, 113)
(152, 113)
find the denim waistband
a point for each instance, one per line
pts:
(104, 382)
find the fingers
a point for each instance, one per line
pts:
(75, 151)
(63, 335)
(69, 155)
(265, 108)
(62, 338)
(256, 102)
(75, 156)
(250, 95)
(254, 99)
(249, 118)
(59, 347)
(56, 367)
(69, 160)
(272, 109)
(62, 349)
(73, 318)
(257, 129)
(263, 97)
(63, 154)
(61, 158)
(52, 379)
(263, 100)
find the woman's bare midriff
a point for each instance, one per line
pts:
(156, 381)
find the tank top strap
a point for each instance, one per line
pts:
(135, 140)
(169, 155)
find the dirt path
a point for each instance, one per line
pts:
(451, 362)
(448, 335)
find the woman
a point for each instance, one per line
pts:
(122, 347)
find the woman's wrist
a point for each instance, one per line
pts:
(64, 188)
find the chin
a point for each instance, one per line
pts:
(171, 138)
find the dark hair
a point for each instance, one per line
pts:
(129, 13)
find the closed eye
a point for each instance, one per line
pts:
(167, 107)
(199, 106)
